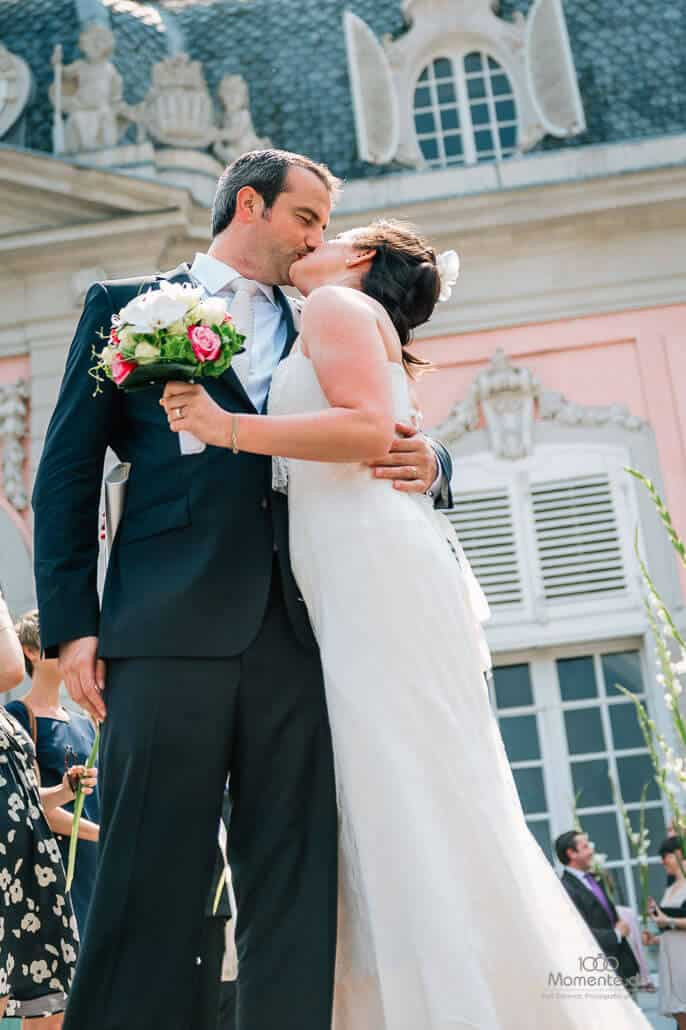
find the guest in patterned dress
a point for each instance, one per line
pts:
(670, 918)
(59, 736)
(38, 934)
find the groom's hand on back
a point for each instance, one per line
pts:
(84, 674)
(411, 462)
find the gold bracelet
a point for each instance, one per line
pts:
(234, 433)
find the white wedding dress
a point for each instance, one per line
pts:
(451, 917)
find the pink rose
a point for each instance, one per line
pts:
(121, 369)
(205, 342)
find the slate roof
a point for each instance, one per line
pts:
(630, 57)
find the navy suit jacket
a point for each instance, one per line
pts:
(190, 567)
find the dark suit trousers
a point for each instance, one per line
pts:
(175, 728)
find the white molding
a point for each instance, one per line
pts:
(13, 427)
(570, 165)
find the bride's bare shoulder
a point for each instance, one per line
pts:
(330, 297)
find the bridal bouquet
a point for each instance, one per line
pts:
(168, 334)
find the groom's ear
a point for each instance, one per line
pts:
(249, 204)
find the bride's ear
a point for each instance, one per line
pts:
(361, 257)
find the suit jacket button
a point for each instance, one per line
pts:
(264, 504)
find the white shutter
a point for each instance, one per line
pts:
(484, 523)
(374, 99)
(577, 538)
(551, 72)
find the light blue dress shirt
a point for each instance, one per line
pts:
(270, 330)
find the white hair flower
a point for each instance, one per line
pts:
(448, 265)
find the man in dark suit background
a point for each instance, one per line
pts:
(202, 661)
(576, 853)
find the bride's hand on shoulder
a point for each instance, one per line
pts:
(188, 406)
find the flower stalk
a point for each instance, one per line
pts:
(78, 809)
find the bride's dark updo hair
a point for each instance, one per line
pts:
(403, 277)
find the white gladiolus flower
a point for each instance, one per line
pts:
(669, 701)
(145, 353)
(152, 310)
(184, 292)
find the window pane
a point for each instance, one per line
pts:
(429, 149)
(472, 63)
(505, 110)
(531, 789)
(453, 146)
(500, 84)
(602, 830)
(480, 114)
(424, 76)
(483, 140)
(584, 731)
(449, 119)
(541, 831)
(577, 678)
(476, 88)
(623, 668)
(620, 895)
(591, 784)
(422, 97)
(520, 736)
(425, 122)
(443, 69)
(512, 686)
(446, 93)
(508, 137)
(626, 729)
(492, 63)
(634, 772)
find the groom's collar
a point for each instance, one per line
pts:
(214, 275)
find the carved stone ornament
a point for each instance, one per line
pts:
(507, 396)
(15, 87)
(89, 111)
(178, 109)
(237, 135)
(13, 427)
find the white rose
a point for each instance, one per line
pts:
(211, 311)
(152, 310)
(190, 295)
(145, 353)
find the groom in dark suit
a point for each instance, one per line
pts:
(202, 661)
(575, 852)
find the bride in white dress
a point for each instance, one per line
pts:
(451, 917)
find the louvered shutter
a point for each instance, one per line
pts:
(551, 72)
(484, 523)
(577, 538)
(373, 93)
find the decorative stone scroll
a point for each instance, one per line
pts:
(15, 87)
(13, 427)
(507, 398)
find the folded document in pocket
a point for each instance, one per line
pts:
(116, 481)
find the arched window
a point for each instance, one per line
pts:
(464, 111)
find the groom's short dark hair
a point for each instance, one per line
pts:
(266, 172)
(566, 842)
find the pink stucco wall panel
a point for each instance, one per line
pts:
(635, 358)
